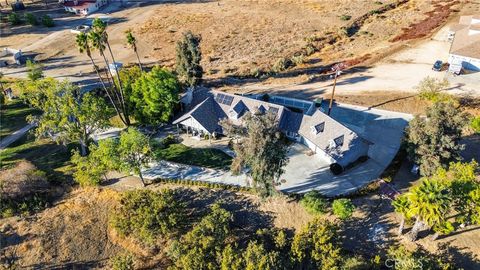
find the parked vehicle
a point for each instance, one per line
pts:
(437, 66)
(80, 29)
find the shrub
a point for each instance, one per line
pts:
(48, 21)
(298, 59)
(343, 208)
(345, 17)
(476, 124)
(281, 65)
(14, 19)
(146, 215)
(169, 140)
(122, 262)
(31, 19)
(314, 203)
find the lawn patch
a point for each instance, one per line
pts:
(203, 157)
(47, 156)
(13, 117)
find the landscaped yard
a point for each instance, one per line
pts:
(204, 157)
(47, 156)
(13, 117)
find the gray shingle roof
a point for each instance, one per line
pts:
(330, 136)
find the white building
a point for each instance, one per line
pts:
(465, 49)
(83, 7)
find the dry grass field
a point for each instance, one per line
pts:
(239, 37)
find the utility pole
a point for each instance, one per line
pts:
(333, 92)
(338, 70)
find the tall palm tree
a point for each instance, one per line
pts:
(99, 28)
(132, 41)
(83, 45)
(401, 206)
(429, 204)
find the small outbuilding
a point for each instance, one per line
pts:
(465, 49)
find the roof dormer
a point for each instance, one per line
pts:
(318, 128)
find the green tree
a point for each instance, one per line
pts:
(132, 42)
(263, 151)
(343, 208)
(133, 152)
(102, 158)
(147, 215)
(47, 21)
(431, 89)
(34, 71)
(14, 19)
(31, 19)
(198, 249)
(433, 142)
(231, 259)
(67, 115)
(123, 262)
(316, 246)
(461, 181)
(402, 206)
(154, 96)
(129, 76)
(84, 46)
(188, 59)
(2, 97)
(429, 205)
(475, 124)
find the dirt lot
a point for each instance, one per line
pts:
(239, 37)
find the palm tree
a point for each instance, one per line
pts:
(84, 47)
(101, 36)
(401, 205)
(97, 43)
(132, 41)
(429, 204)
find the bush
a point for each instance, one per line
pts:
(343, 208)
(146, 215)
(314, 203)
(31, 19)
(122, 262)
(476, 124)
(345, 17)
(48, 21)
(281, 65)
(169, 140)
(298, 59)
(14, 19)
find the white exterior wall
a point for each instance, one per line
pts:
(319, 152)
(467, 62)
(194, 124)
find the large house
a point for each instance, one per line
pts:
(300, 120)
(83, 7)
(465, 49)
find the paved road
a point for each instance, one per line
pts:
(15, 136)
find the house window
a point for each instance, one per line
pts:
(339, 140)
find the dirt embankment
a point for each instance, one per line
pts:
(71, 233)
(75, 232)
